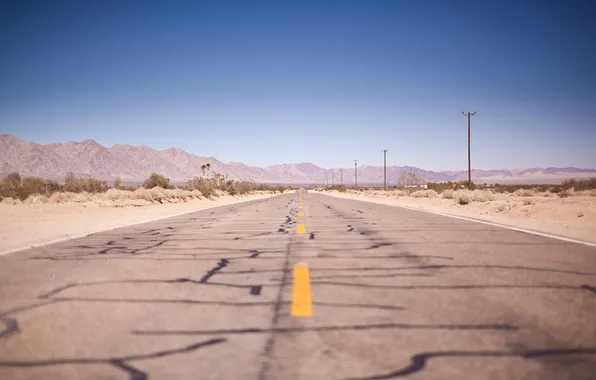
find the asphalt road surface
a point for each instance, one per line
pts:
(395, 293)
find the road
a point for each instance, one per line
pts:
(395, 293)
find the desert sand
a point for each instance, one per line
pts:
(572, 217)
(34, 222)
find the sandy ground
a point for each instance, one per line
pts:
(573, 217)
(27, 225)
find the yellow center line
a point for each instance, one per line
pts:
(300, 229)
(301, 213)
(301, 295)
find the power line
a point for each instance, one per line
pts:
(469, 114)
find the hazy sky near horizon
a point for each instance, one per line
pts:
(325, 82)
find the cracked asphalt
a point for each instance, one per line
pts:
(396, 293)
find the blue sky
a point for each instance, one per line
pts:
(325, 82)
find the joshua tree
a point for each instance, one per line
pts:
(205, 167)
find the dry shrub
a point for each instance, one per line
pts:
(340, 188)
(158, 194)
(205, 186)
(528, 202)
(579, 185)
(524, 193)
(463, 197)
(567, 193)
(448, 194)
(482, 196)
(88, 185)
(142, 194)
(501, 208)
(424, 194)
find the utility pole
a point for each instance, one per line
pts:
(341, 172)
(332, 178)
(384, 169)
(469, 114)
(356, 171)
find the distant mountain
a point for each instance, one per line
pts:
(136, 163)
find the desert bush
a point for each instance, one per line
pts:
(205, 186)
(439, 187)
(242, 187)
(340, 188)
(73, 184)
(156, 180)
(448, 194)
(281, 189)
(16, 187)
(584, 184)
(469, 185)
(13, 179)
(528, 202)
(501, 208)
(463, 197)
(424, 194)
(35, 185)
(567, 192)
(482, 196)
(524, 193)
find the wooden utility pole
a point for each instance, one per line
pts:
(356, 171)
(341, 173)
(384, 169)
(332, 178)
(469, 114)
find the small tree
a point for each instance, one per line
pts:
(13, 180)
(156, 180)
(411, 178)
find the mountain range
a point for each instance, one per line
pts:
(136, 163)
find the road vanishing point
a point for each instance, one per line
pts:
(300, 286)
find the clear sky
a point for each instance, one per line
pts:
(325, 82)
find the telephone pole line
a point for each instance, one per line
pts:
(341, 173)
(384, 169)
(332, 178)
(469, 115)
(356, 171)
